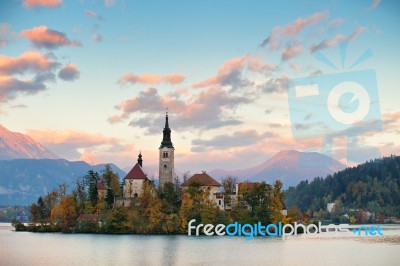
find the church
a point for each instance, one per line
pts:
(133, 181)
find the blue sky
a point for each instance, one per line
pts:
(102, 89)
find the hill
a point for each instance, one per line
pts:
(22, 181)
(376, 182)
(290, 167)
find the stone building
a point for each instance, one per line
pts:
(166, 158)
(206, 182)
(133, 183)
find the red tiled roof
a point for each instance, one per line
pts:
(89, 217)
(136, 173)
(203, 179)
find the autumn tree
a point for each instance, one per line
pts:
(65, 213)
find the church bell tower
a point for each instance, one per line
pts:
(166, 166)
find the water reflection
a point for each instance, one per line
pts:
(21, 248)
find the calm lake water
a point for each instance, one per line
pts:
(22, 248)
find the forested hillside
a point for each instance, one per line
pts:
(372, 185)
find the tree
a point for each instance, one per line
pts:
(150, 208)
(65, 213)
(277, 202)
(111, 181)
(229, 184)
(169, 197)
(91, 179)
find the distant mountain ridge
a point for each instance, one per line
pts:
(14, 145)
(22, 181)
(290, 167)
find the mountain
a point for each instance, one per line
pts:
(290, 167)
(14, 145)
(22, 181)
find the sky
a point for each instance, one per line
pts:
(94, 78)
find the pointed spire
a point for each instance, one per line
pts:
(140, 160)
(166, 142)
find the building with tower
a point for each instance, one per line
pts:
(166, 156)
(133, 183)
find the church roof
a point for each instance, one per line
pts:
(203, 179)
(166, 142)
(136, 173)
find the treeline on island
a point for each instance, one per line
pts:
(373, 186)
(154, 211)
(369, 192)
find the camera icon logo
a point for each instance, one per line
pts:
(337, 105)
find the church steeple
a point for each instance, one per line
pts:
(140, 160)
(166, 159)
(166, 142)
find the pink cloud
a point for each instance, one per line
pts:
(326, 43)
(374, 4)
(291, 51)
(229, 73)
(43, 37)
(109, 3)
(292, 29)
(27, 62)
(70, 136)
(39, 68)
(297, 26)
(69, 72)
(92, 14)
(43, 3)
(4, 32)
(151, 79)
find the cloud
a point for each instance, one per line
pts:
(205, 110)
(291, 51)
(35, 69)
(292, 29)
(32, 62)
(43, 37)
(4, 32)
(152, 79)
(42, 3)
(67, 142)
(97, 38)
(10, 87)
(335, 23)
(237, 139)
(92, 14)
(69, 72)
(326, 43)
(277, 85)
(230, 73)
(374, 4)
(109, 3)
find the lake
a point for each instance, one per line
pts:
(23, 248)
